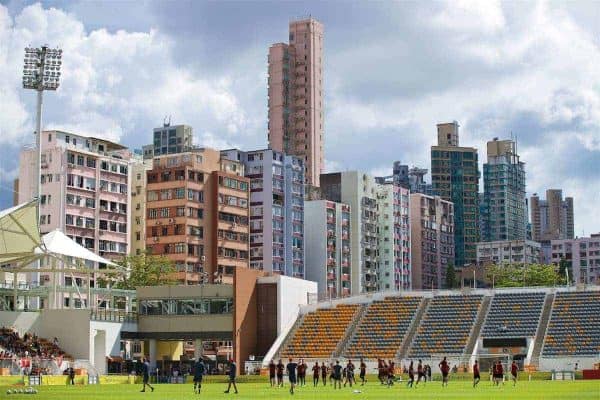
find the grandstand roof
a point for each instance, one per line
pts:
(19, 233)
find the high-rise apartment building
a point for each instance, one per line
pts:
(455, 178)
(137, 219)
(505, 202)
(394, 237)
(169, 140)
(552, 219)
(197, 215)
(380, 233)
(86, 194)
(432, 240)
(296, 120)
(276, 210)
(328, 254)
(582, 256)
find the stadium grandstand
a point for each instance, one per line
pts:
(540, 328)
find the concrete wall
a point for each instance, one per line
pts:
(292, 294)
(567, 363)
(71, 327)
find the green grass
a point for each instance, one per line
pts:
(525, 390)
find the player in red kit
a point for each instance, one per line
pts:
(280, 368)
(514, 371)
(316, 369)
(363, 372)
(272, 368)
(476, 376)
(498, 373)
(445, 368)
(324, 373)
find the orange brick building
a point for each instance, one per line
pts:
(197, 215)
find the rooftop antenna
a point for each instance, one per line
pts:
(166, 123)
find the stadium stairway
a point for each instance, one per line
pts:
(342, 347)
(541, 331)
(403, 350)
(478, 326)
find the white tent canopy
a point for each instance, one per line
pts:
(21, 245)
(57, 243)
(19, 233)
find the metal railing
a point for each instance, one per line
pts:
(113, 316)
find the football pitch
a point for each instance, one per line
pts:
(579, 390)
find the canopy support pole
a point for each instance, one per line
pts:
(14, 291)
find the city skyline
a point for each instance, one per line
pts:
(93, 97)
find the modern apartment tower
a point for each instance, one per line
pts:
(380, 232)
(276, 210)
(359, 191)
(455, 178)
(86, 194)
(169, 140)
(295, 101)
(394, 237)
(552, 219)
(505, 202)
(198, 215)
(432, 240)
(328, 254)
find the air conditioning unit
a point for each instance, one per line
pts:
(234, 225)
(158, 222)
(156, 239)
(203, 258)
(171, 220)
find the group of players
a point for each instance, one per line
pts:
(345, 375)
(337, 373)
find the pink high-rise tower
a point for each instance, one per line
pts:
(296, 96)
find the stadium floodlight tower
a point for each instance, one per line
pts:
(41, 71)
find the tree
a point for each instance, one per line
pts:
(144, 270)
(520, 275)
(450, 276)
(564, 271)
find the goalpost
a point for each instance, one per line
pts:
(464, 363)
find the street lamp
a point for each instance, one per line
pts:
(41, 71)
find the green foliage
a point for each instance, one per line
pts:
(451, 281)
(563, 267)
(520, 275)
(144, 270)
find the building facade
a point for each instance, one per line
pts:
(380, 229)
(432, 240)
(509, 252)
(276, 210)
(296, 121)
(505, 203)
(552, 219)
(455, 178)
(582, 256)
(197, 215)
(394, 237)
(169, 140)
(328, 256)
(359, 191)
(86, 194)
(137, 220)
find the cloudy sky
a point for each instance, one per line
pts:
(392, 71)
